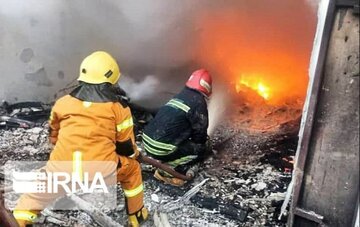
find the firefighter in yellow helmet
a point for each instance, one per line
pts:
(92, 124)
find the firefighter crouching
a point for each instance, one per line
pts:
(178, 133)
(92, 124)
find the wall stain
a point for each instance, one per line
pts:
(39, 77)
(342, 17)
(26, 55)
(61, 74)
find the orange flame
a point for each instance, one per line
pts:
(255, 83)
(265, 54)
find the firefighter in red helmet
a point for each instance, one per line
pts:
(178, 133)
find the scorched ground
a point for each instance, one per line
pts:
(248, 175)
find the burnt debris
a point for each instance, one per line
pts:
(248, 174)
(23, 114)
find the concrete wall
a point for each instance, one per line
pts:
(43, 42)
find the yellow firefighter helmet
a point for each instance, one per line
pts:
(99, 67)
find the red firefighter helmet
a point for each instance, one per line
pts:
(200, 80)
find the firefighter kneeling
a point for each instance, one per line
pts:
(177, 135)
(92, 124)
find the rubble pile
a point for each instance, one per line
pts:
(246, 174)
(23, 114)
(24, 144)
(257, 115)
(247, 178)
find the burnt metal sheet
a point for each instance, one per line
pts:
(327, 179)
(304, 143)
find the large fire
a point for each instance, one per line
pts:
(254, 52)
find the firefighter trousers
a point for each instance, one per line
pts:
(128, 174)
(186, 154)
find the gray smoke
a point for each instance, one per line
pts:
(217, 107)
(137, 90)
(160, 37)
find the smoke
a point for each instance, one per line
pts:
(217, 107)
(271, 39)
(169, 39)
(165, 38)
(137, 90)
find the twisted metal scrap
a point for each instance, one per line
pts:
(176, 204)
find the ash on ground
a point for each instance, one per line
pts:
(249, 172)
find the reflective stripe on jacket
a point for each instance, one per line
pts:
(92, 128)
(183, 117)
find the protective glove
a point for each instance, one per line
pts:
(127, 148)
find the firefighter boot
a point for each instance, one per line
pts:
(168, 179)
(139, 217)
(25, 218)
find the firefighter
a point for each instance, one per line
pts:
(178, 133)
(92, 124)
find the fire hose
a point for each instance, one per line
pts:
(144, 159)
